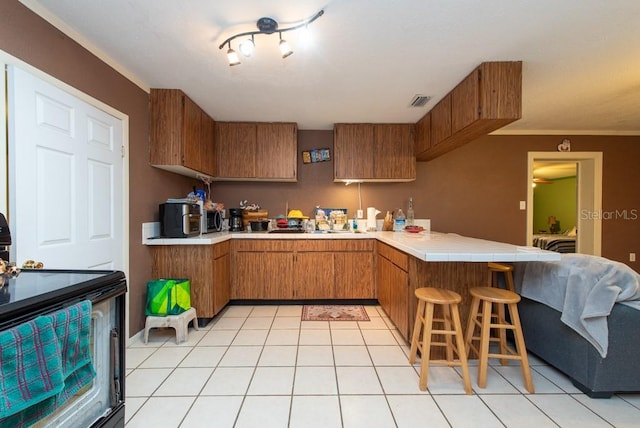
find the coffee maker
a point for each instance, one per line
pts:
(235, 220)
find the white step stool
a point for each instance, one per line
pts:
(180, 323)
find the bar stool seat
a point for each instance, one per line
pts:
(486, 320)
(448, 300)
(180, 323)
(495, 269)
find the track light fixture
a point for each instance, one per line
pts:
(265, 26)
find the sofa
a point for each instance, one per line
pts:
(581, 315)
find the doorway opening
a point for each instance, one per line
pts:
(588, 197)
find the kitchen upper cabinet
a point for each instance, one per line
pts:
(247, 151)
(182, 134)
(374, 152)
(489, 98)
(423, 134)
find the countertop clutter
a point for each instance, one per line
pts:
(427, 246)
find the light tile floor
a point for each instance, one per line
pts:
(261, 366)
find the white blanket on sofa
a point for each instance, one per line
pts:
(584, 288)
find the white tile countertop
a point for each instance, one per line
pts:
(427, 246)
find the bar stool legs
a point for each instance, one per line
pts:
(427, 298)
(486, 321)
(497, 268)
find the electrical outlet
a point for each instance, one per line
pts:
(523, 205)
(632, 257)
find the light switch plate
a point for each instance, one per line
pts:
(523, 205)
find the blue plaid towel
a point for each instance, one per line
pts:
(30, 365)
(71, 329)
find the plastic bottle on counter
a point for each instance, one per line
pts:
(399, 222)
(411, 217)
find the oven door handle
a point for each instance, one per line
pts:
(114, 365)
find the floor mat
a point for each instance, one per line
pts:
(334, 313)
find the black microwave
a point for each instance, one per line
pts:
(179, 220)
(212, 221)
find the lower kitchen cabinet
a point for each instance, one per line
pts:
(303, 269)
(206, 267)
(394, 293)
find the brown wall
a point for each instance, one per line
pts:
(26, 36)
(473, 191)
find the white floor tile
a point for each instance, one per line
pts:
(241, 356)
(257, 323)
(278, 356)
(315, 381)
(132, 406)
(220, 412)
(566, 411)
(368, 411)
(218, 338)
(346, 337)
(379, 337)
(228, 381)
(315, 412)
(541, 384)
(555, 376)
(280, 323)
(496, 384)
(250, 337)
(184, 382)
(466, 410)
(358, 380)
(445, 380)
(236, 311)
(517, 411)
(166, 412)
(204, 356)
(343, 325)
(165, 357)
(372, 311)
(135, 356)
(351, 356)
(399, 380)
(263, 311)
(193, 338)
(272, 381)
(142, 382)
(614, 410)
(388, 356)
(411, 411)
(318, 355)
(228, 323)
(374, 323)
(283, 337)
(315, 337)
(289, 311)
(264, 412)
(314, 325)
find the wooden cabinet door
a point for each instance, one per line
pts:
(192, 134)
(384, 284)
(354, 278)
(248, 275)
(423, 134)
(166, 127)
(465, 102)
(353, 146)
(236, 149)
(314, 276)
(276, 150)
(277, 275)
(195, 264)
(207, 145)
(393, 153)
(501, 91)
(399, 299)
(441, 121)
(221, 282)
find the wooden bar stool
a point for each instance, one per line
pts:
(427, 298)
(497, 268)
(487, 320)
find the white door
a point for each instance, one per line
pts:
(65, 177)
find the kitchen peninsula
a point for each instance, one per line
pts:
(375, 266)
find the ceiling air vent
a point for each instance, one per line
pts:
(420, 100)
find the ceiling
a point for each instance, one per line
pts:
(581, 58)
(554, 170)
